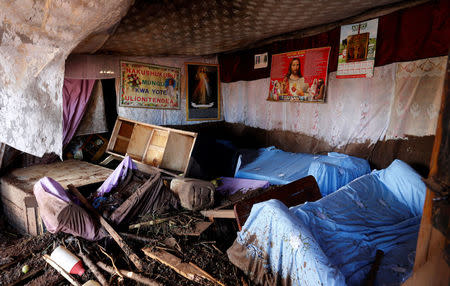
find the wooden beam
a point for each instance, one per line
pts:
(128, 251)
(199, 228)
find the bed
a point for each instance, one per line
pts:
(331, 171)
(333, 241)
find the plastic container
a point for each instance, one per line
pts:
(67, 260)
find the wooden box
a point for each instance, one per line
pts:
(16, 189)
(160, 147)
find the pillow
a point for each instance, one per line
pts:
(405, 184)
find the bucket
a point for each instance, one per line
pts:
(67, 260)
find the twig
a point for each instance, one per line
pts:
(129, 274)
(215, 247)
(112, 260)
(61, 271)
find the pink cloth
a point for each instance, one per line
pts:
(76, 94)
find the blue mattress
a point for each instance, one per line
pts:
(333, 241)
(331, 171)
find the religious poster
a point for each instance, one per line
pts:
(150, 86)
(202, 91)
(299, 76)
(357, 47)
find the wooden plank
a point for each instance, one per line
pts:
(426, 228)
(138, 141)
(128, 251)
(112, 140)
(178, 151)
(292, 194)
(219, 213)
(188, 133)
(187, 270)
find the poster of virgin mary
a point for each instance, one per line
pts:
(202, 91)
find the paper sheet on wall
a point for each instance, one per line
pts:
(357, 46)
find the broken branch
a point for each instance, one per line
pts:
(129, 274)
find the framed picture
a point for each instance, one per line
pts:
(299, 76)
(150, 86)
(202, 91)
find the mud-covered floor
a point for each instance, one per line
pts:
(208, 251)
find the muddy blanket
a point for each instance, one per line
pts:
(334, 240)
(60, 213)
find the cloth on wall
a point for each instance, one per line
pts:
(76, 94)
(37, 37)
(401, 99)
(94, 119)
(418, 86)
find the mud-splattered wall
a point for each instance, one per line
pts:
(35, 39)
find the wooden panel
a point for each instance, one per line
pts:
(126, 129)
(121, 146)
(154, 156)
(292, 194)
(159, 138)
(178, 152)
(138, 141)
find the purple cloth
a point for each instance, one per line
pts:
(232, 185)
(53, 187)
(76, 94)
(117, 176)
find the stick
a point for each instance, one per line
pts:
(93, 268)
(129, 274)
(128, 251)
(60, 270)
(148, 223)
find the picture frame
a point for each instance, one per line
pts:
(203, 100)
(149, 86)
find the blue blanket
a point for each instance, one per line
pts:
(333, 241)
(331, 171)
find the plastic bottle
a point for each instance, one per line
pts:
(67, 260)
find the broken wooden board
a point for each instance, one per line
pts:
(187, 270)
(199, 228)
(292, 194)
